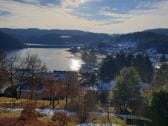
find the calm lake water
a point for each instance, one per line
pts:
(54, 58)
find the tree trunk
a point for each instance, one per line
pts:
(50, 101)
(53, 103)
(20, 90)
(58, 101)
(67, 94)
(31, 94)
(66, 101)
(11, 80)
(32, 89)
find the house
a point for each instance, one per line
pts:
(61, 75)
(57, 75)
(22, 73)
(106, 86)
(25, 90)
(44, 74)
(25, 87)
(86, 69)
(144, 87)
(90, 88)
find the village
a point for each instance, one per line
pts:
(88, 89)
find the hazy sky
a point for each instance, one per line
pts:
(111, 16)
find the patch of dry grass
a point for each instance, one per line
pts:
(19, 103)
(104, 119)
(72, 121)
(8, 114)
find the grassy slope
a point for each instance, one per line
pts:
(6, 102)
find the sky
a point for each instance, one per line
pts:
(106, 16)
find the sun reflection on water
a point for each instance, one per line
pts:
(75, 64)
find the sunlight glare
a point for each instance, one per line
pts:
(75, 64)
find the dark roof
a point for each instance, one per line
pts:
(27, 87)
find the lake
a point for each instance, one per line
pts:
(54, 58)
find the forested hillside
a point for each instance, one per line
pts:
(9, 42)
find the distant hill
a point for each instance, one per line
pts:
(56, 37)
(144, 40)
(163, 31)
(141, 41)
(9, 42)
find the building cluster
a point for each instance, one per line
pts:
(108, 48)
(25, 88)
(25, 75)
(86, 70)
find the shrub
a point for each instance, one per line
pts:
(34, 122)
(60, 118)
(29, 112)
(8, 121)
(73, 106)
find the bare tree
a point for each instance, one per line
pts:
(34, 64)
(71, 87)
(12, 65)
(21, 77)
(3, 72)
(2, 60)
(86, 104)
(52, 88)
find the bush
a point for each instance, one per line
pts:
(8, 121)
(73, 106)
(19, 122)
(29, 112)
(34, 122)
(29, 117)
(60, 118)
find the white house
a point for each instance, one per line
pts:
(144, 87)
(23, 72)
(86, 69)
(106, 86)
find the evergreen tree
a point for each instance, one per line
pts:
(120, 61)
(93, 79)
(158, 109)
(126, 93)
(112, 65)
(108, 70)
(163, 58)
(129, 60)
(143, 66)
(161, 76)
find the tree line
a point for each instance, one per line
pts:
(130, 72)
(112, 65)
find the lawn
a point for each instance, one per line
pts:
(72, 121)
(104, 120)
(44, 120)
(9, 114)
(19, 103)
